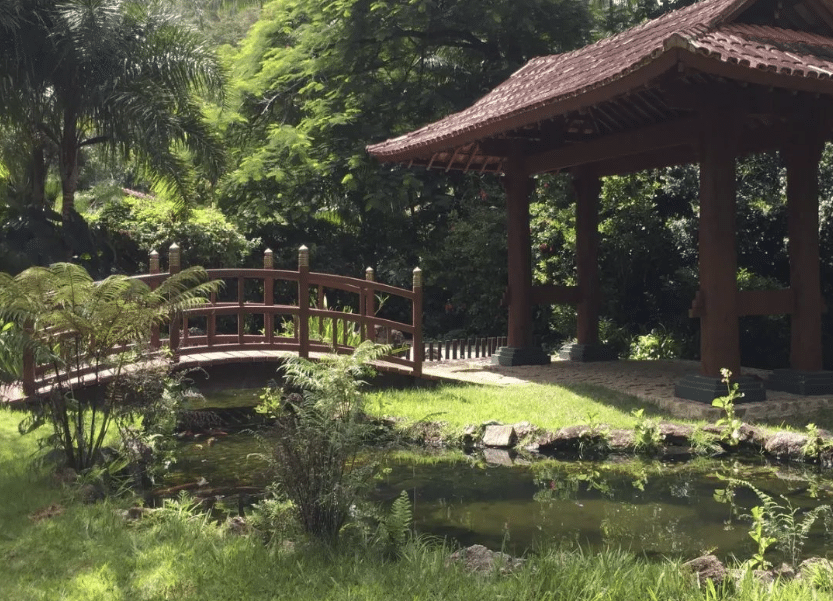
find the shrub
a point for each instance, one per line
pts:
(321, 430)
(204, 234)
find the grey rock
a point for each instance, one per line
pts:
(706, 567)
(237, 525)
(621, 440)
(676, 434)
(499, 436)
(816, 570)
(786, 444)
(480, 560)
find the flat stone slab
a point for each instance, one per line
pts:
(499, 436)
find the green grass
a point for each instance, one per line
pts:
(548, 406)
(90, 553)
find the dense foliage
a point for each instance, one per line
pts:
(310, 83)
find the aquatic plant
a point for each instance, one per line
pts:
(727, 404)
(781, 525)
(646, 433)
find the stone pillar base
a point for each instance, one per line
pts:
(573, 351)
(509, 356)
(704, 389)
(805, 383)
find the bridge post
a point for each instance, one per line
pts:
(174, 266)
(268, 296)
(368, 307)
(418, 350)
(28, 361)
(153, 263)
(303, 302)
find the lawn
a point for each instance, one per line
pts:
(90, 552)
(549, 406)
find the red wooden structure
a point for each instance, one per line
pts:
(704, 84)
(195, 332)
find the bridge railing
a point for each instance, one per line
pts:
(282, 321)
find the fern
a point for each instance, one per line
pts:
(784, 524)
(397, 523)
(71, 323)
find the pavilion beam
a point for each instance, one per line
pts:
(519, 349)
(802, 153)
(644, 140)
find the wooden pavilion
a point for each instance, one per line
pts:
(705, 84)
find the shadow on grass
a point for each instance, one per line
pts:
(626, 403)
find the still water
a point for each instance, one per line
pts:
(502, 501)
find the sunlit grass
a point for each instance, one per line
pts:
(89, 552)
(548, 406)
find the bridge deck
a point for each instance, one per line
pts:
(13, 394)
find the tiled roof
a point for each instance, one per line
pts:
(546, 82)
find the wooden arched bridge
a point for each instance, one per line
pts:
(262, 314)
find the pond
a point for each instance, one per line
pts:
(500, 500)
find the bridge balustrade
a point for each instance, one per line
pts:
(306, 304)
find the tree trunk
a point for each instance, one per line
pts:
(69, 164)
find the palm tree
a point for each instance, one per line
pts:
(123, 73)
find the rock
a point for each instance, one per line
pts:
(90, 493)
(676, 434)
(470, 435)
(764, 576)
(497, 456)
(524, 429)
(133, 514)
(499, 436)
(786, 444)
(785, 572)
(237, 525)
(480, 560)
(706, 567)
(816, 570)
(621, 440)
(574, 439)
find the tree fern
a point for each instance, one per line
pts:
(73, 323)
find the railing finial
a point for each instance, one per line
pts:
(174, 258)
(303, 257)
(417, 277)
(369, 274)
(154, 261)
(268, 259)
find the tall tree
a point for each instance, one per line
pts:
(117, 72)
(317, 80)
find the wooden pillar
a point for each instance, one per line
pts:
(802, 155)
(518, 189)
(174, 267)
(587, 187)
(369, 308)
(417, 347)
(303, 302)
(719, 332)
(268, 296)
(154, 269)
